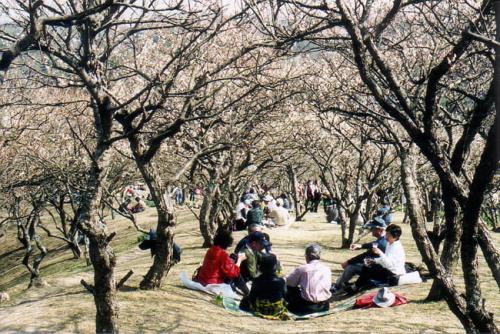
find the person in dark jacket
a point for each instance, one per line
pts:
(151, 243)
(243, 243)
(256, 214)
(268, 291)
(354, 266)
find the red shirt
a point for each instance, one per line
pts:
(217, 266)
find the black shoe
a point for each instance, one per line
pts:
(350, 289)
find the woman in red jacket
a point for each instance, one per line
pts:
(217, 266)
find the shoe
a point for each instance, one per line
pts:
(350, 289)
(334, 288)
(337, 291)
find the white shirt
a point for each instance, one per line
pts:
(272, 205)
(238, 209)
(394, 258)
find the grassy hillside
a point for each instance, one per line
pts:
(64, 306)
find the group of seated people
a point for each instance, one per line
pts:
(132, 206)
(382, 262)
(268, 211)
(308, 288)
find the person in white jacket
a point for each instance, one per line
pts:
(388, 266)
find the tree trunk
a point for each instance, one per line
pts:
(424, 245)
(489, 251)
(75, 249)
(207, 227)
(369, 206)
(101, 254)
(483, 320)
(165, 227)
(353, 221)
(451, 245)
(104, 261)
(299, 215)
(343, 228)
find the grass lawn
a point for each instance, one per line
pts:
(64, 305)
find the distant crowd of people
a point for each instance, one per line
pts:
(261, 210)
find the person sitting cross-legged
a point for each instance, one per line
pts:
(266, 297)
(280, 215)
(354, 266)
(388, 266)
(308, 286)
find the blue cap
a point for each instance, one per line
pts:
(259, 237)
(376, 222)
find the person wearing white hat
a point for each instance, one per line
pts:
(269, 206)
(240, 214)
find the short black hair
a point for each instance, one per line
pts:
(223, 239)
(394, 230)
(268, 264)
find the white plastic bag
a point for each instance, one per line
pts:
(213, 289)
(410, 278)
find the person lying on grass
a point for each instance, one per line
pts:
(268, 291)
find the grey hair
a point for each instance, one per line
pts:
(313, 252)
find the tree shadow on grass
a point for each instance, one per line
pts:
(128, 288)
(49, 296)
(4, 255)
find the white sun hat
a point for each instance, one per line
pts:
(384, 298)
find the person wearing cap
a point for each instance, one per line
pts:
(354, 266)
(256, 214)
(388, 266)
(240, 246)
(280, 215)
(257, 242)
(267, 295)
(308, 286)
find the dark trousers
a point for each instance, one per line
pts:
(309, 204)
(315, 205)
(299, 305)
(239, 225)
(239, 283)
(375, 272)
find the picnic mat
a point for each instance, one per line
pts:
(347, 304)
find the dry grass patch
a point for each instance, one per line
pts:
(65, 306)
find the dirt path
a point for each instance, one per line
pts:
(66, 307)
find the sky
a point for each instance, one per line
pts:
(227, 3)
